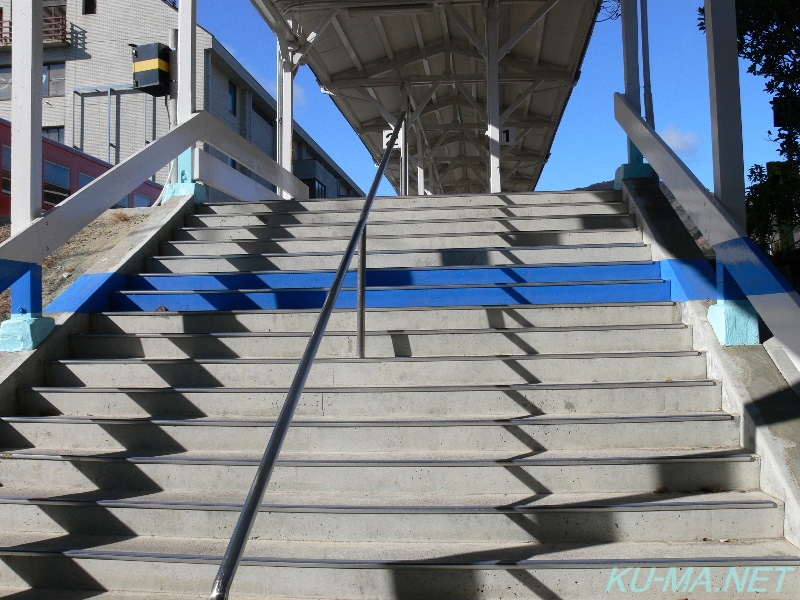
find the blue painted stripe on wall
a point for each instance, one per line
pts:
(657, 291)
(89, 293)
(12, 270)
(398, 277)
(752, 270)
(690, 279)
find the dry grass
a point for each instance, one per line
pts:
(62, 267)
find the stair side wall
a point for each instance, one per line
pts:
(752, 386)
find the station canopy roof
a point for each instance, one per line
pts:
(377, 58)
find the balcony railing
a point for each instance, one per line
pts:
(54, 31)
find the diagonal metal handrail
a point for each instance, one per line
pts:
(233, 554)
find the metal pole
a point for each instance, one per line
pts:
(108, 126)
(630, 48)
(649, 113)
(493, 95)
(420, 164)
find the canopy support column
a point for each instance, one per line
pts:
(726, 107)
(493, 95)
(26, 328)
(734, 320)
(404, 147)
(285, 125)
(635, 167)
(187, 99)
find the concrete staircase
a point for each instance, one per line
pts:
(531, 421)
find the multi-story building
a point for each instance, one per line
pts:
(90, 102)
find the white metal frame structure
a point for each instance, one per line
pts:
(485, 83)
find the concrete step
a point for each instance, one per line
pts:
(262, 215)
(194, 240)
(428, 227)
(414, 202)
(452, 370)
(401, 277)
(483, 295)
(503, 401)
(618, 471)
(472, 342)
(327, 437)
(467, 317)
(547, 518)
(411, 570)
(213, 258)
(85, 593)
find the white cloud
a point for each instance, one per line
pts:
(686, 143)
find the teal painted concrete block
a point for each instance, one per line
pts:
(735, 322)
(26, 332)
(197, 190)
(632, 171)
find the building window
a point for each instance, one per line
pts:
(84, 180)
(54, 133)
(232, 98)
(89, 7)
(56, 183)
(140, 200)
(316, 189)
(5, 83)
(53, 79)
(261, 112)
(7, 169)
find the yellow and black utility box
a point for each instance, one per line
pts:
(151, 69)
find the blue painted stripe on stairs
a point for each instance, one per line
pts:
(89, 293)
(691, 279)
(585, 293)
(397, 277)
(753, 271)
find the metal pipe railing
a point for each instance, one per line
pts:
(235, 550)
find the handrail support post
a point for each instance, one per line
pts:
(362, 295)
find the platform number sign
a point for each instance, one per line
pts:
(387, 135)
(508, 136)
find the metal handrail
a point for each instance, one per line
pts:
(235, 550)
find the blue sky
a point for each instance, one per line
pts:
(589, 145)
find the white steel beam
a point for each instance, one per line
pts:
(520, 99)
(313, 36)
(534, 73)
(526, 28)
(464, 26)
(726, 107)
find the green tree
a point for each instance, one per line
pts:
(769, 38)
